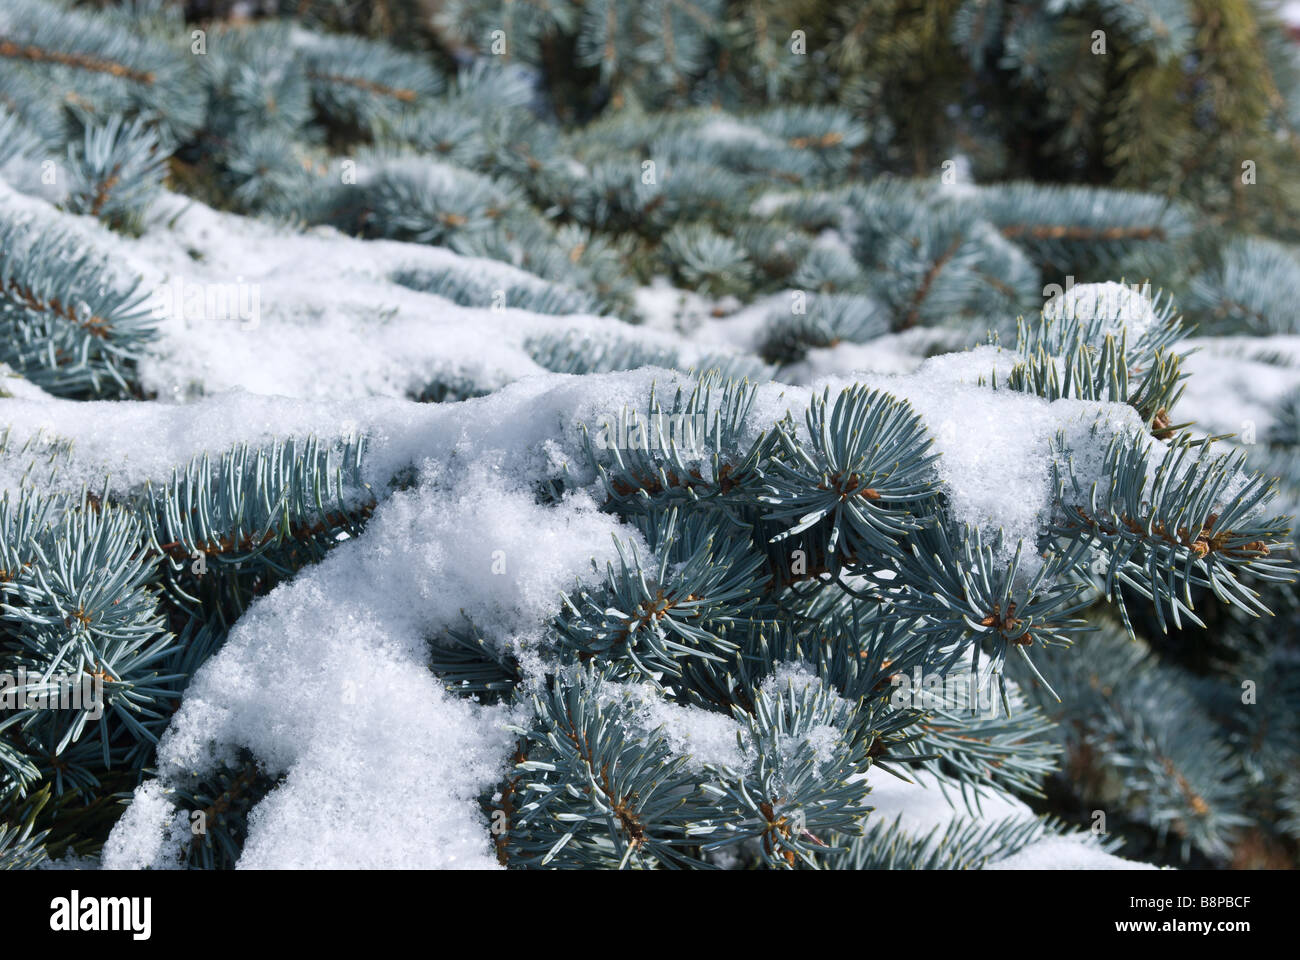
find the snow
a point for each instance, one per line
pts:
(132, 443)
(920, 806)
(329, 323)
(15, 385)
(1237, 383)
(732, 132)
(662, 306)
(895, 353)
(995, 463)
(1062, 853)
(704, 737)
(794, 680)
(1116, 307)
(328, 684)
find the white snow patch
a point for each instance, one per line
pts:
(995, 463)
(326, 682)
(1236, 383)
(1064, 853)
(704, 737)
(1119, 308)
(245, 304)
(922, 806)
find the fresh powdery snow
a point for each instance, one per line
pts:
(1117, 308)
(243, 304)
(1237, 384)
(920, 806)
(325, 680)
(995, 445)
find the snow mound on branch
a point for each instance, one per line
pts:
(1122, 309)
(1063, 853)
(995, 446)
(244, 304)
(922, 806)
(1237, 384)
(702, 736)
(134, 443)
(326, 681)
(15, 385)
